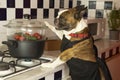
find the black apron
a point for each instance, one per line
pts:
(84, 70)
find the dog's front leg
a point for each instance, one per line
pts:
(50, 26)
(53, 64)
(57, 32)
(63, 57)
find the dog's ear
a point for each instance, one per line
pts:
(80, 11)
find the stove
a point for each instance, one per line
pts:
(10, 66)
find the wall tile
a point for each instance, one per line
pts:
(46, 4)
(91, 13)
(19, 4)
(61, 3)
(11, 3)
(74, 3)
(3, 14)
(56, 13)
(57, 3)
(19, 13)
(3, 3)
(51, 3)
(26, 3)
(108, 5)
(92, 4)
(66, 4)
(10, 13)
(33, 5)
(51, 13)
(45, 13)
(42, 78)
(70, 3)
(33, 13)
(26, 11)
(99, 13)
(40, 14)
(85, 2)
(99, 5)
(58, 75)
(40, 3)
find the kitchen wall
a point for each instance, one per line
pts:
(117, 3)
(46, 10)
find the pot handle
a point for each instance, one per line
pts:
(10, 43)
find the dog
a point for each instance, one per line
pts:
(77, 48)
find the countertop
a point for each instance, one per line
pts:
(105, 46)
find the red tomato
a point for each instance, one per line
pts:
(39, 37)
(17, 37)
(27, 33)
(36, 34)
(21, 38)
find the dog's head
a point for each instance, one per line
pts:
(68, 19)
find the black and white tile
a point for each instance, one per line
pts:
(45, 9)
(98, 9)
(55, 76)
(111, 52)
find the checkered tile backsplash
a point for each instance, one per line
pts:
(48, 9)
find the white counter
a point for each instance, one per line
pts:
(39, 73)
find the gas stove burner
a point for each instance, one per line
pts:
(28, 62)
(4, 66)
(5, 69)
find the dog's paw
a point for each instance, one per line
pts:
(47, 65)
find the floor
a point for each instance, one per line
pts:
(114, 66)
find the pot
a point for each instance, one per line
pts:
(25, 49)
(25, 38)
(114, 34)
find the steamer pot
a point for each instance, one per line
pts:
(25, 38)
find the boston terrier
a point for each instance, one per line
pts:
(77, 48)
